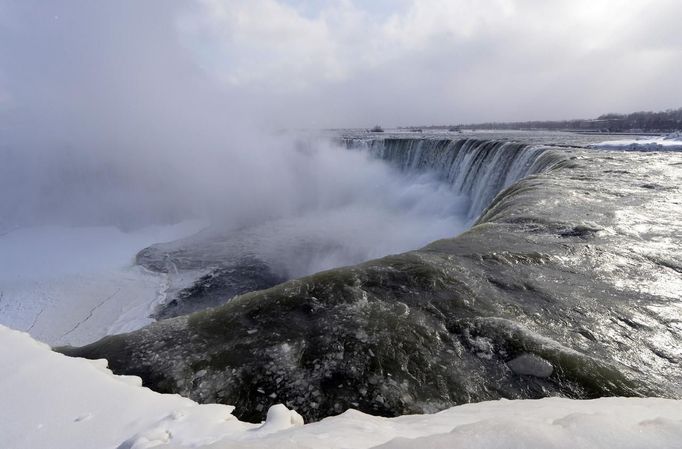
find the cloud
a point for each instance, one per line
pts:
(136, 112)
(293, 63)
(438, 61)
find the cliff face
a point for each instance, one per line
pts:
(568, 284)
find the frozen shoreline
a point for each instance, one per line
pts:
(74, 285)
(63, 402)
(671, 142)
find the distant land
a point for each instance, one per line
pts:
(634, 123)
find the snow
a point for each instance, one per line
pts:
(74, 285)
(670, 142)
(50, 401)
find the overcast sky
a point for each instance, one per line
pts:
(347, 63)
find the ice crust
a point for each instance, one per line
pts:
(50, 401)
(74, 285)
(670, 142)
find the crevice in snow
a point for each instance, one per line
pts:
(91, 313)
(35, 319)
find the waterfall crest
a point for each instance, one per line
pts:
(477, 168)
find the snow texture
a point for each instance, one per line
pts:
(50, 401)
(74, 285)
(670, 142)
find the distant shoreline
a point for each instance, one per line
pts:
(598, 133)
(589, 133)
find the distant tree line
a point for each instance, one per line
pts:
(646, 122)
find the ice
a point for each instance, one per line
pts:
(280, 418)
(74, 285)
(531, 365)
(59, 402)
(670, 142)
(51, 395)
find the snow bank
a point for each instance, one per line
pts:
(51, 401)
(671, 142)
(74, 285)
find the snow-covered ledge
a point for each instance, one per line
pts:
(51, 401)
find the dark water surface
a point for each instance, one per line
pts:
(569, 283)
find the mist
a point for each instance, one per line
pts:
(109, 120)
(138, 113)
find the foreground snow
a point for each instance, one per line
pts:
(671, 142)
(51, 401)
(74, 285)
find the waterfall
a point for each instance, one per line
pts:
(477, 168)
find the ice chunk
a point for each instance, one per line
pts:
(280, 418)
(531, 365)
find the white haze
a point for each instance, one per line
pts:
(107, 119)
(133, 113)
(304, 206)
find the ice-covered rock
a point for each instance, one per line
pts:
(670, 142)
(280, 418)
(531, 365)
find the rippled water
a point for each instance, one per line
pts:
(565, 285)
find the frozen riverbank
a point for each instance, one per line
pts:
(671, 142)
(63, 402)
(73, 285)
